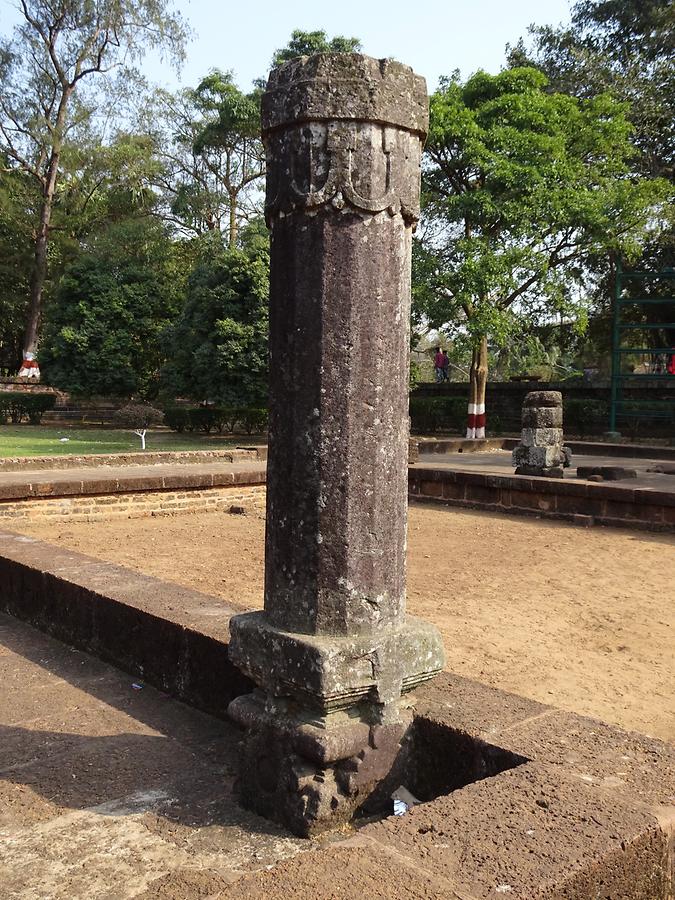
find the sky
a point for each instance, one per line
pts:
(434, 37)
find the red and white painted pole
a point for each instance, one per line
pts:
(29, 366)
(475, 429)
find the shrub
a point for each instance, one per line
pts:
(17, 406)
(585, 415)
(204, 418)
(252, 419)
(226, 418)
(429, 414)
(177, 418)
(138, 417)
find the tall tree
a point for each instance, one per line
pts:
(626, 47)
(18, 201)
(59, 47)
(521, 186)
(105, 326)
(218, 346)
(229, 142)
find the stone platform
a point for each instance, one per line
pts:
(524, 800)
(486, 480)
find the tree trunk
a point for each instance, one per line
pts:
(477, 383)
(233, 221)
(29, 366)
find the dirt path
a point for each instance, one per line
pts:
(580, 618)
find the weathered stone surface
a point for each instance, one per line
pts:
(343, 136)
(309, 777)
(334, 672)
(543, 399)
(542, 417)
(541, 451)
(606, 473)
(541, 437)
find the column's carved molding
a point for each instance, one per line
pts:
(337, 151)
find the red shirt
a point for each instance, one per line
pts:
(439, 360)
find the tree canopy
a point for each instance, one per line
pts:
(521, 186)
(307, 43)
(218, 345)
(105, 327)
(45, 71)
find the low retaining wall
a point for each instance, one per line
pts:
(172, 637)
(132, 505)
(138, 458)
(579, 448)
(579, 502)
(504, 400)
(588, 812)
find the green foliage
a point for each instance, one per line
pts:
(229, 139)
(16, 406)
(17, 202)
(521, 186)
(430, 414)
(252, 419)
(138, 416)
(177, 418)
(57, 48)
(623, 46)
(104, 328)
(307, 43)
(210, 418)
(586, 416)
(218, 346)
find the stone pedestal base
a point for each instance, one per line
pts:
(326, 731)
(311, 778)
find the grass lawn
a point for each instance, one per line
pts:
(41, 440)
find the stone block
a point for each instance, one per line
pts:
(542, 417)
(330, 672)
(533, 833)
(541, 437)
(543, 398)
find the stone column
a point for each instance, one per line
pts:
(541, 451)
(333, 651)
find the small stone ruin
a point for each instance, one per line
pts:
(541, 451)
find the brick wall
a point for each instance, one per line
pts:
(132, 505)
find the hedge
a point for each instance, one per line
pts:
(16, 406)
(429, 414)
(215, 418)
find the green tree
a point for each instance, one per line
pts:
(18, 200)
(208, 140)
(104, 328)
(229, 141)
(219, 343)
(307, 43)
(45, 70)
(521, 186)
(626, 47)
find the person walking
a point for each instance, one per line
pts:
(438, 364)
(446, 365)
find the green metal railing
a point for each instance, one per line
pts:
(619, 407)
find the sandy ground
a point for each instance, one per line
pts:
(580, 618)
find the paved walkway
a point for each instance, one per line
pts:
(109, 791)
(498, 462)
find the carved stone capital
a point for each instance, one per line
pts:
(329, 149)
